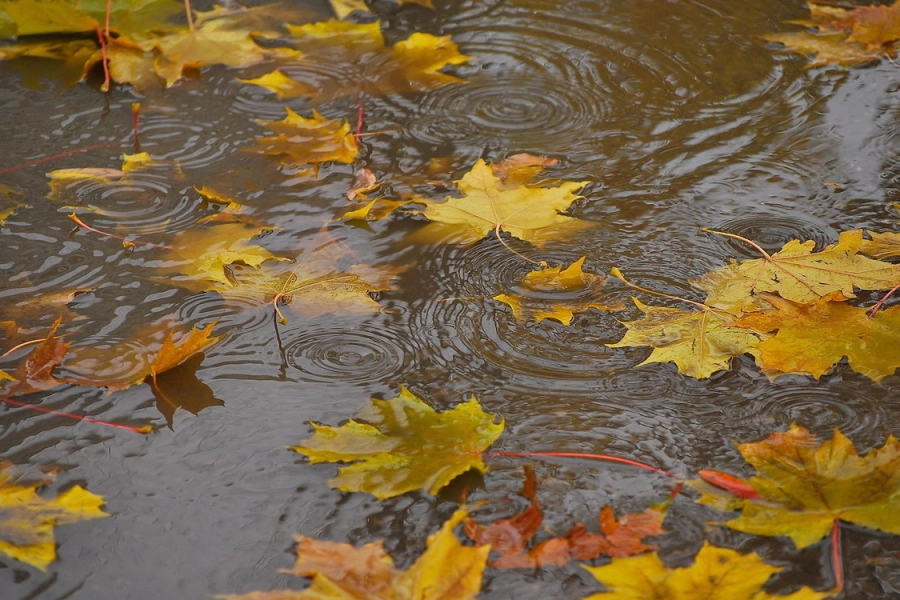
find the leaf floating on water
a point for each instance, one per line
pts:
(27, 519)
(882, 245)
(533, 214)
(699, 342)
(402, 444)
(810, 339)
(805, 485)
(540, 305)
(845, 37)
(717, 574)
(798, 274)
(447, 570)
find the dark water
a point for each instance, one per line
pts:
(678, 115)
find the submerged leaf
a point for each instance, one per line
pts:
(447, 570)
(511, 537)
(404, 445)
(805, 485)
(27, 519)
(366, 66)
(528, 213)
(717, 574)
(301, 141)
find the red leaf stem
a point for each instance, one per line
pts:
(145, 429)
(603, 457)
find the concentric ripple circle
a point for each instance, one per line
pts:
(371, 352)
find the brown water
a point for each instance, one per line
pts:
(677, 114)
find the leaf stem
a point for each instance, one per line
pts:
(881, 302)
(190, 16)
(756, 246)
(603, 457)
(615, 272)
(102, 36)
(359, 119)
(54, 157)
(125, 242)
(145, 429)
(836, 563)
(510, 248)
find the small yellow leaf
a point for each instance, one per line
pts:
(173, 354)
(27, 519)
(717, 574)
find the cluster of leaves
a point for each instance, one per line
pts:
(138, 43)
(790, 310)
(804, 488)
(844, 36)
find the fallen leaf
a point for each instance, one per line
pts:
(798, 274)
(805, 486)
(35, 373)
(699, 342)
(557, 293)
(813, 338)
(404, 445)
(301, 141)
(882, 245)
(873, 31)
(717, 574)
(313, 285)
(363, 182)
(373, 211)
(365, 65)
(528, 213)
(510, 537)
(520, 169)
(27, 519)
(343, 8)
(201, 255)
(447, 570)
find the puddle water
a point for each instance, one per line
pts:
(676, 114)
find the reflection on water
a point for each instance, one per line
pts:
(675, 112)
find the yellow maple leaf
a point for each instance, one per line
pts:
(813, 338)
(882, 245)
(798, 274)
(343, 8)
(358, 53)
(301, 141)
(717, 574)
(699, 342)
(202, 256)
(556, 293)
(529, 213)
(804, 486)
(844, 37)
(447, 570)
(27, 519)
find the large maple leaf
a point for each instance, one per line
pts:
(798, 274)
(447, 570)
(804, 486)
(699, 342)
(27, 519)
(717, 574)
(358, 61)
(404, 445)
(812, 338)
(557, 293)
(301, 141)
(488, 205)
(844, 37)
